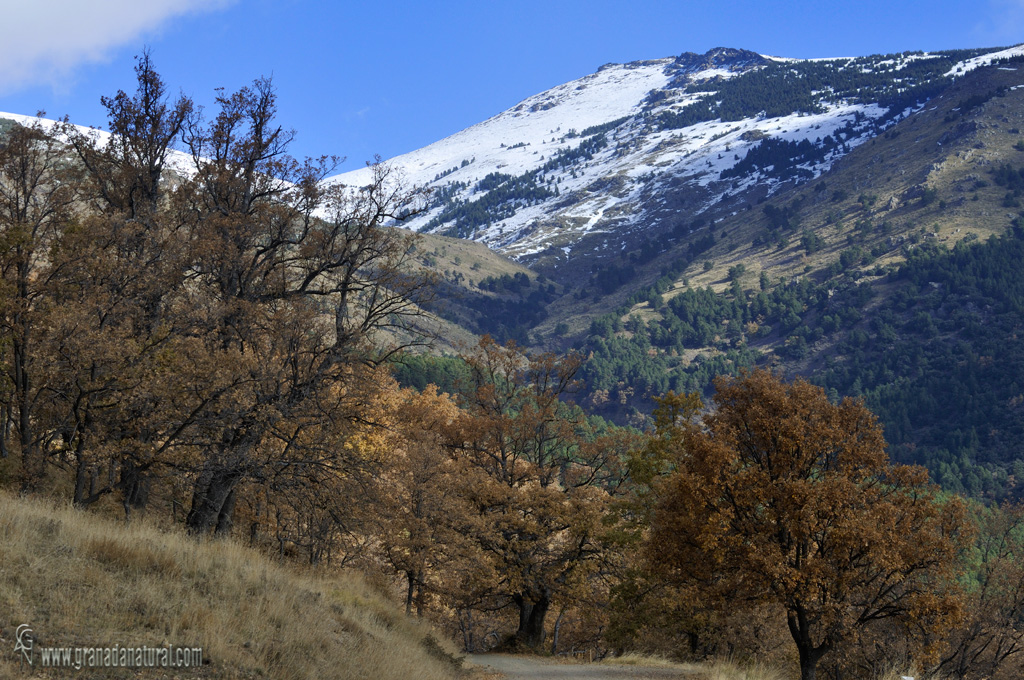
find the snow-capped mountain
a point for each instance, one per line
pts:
(670, 144)
(177, 160)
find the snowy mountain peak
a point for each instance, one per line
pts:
(719, 58)
(610, 159)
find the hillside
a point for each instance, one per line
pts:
(480, 291)
(589, 168)
(235, 352)
(816, 281)
(679, 218)
(813, 267)
(620, 174)
(80, 580)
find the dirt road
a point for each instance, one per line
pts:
(534, 668)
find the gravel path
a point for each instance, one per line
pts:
(534, 668)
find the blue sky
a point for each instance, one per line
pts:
(357, 79)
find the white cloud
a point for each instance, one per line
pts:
(44, 40)
(1002, 24)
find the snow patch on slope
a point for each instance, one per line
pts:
(984, 60)
(541, 124)
(177, 161)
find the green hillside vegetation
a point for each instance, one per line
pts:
(463, 262)
(941, 363)
(217, 361)
(922, 173)
(466, 303)
(805, 281)
(936, 358)
(895, 82)
(483, 293)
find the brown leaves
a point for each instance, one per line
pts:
(533, 481)
(227, 328)
(784, 497)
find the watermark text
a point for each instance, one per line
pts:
(116, 656)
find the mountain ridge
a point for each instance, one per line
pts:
(595, 155)
(883, 276)
(798, 224)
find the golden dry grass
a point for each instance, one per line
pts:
(80, 580)
(651, 661)
(729, 670)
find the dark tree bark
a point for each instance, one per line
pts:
(225, 517)
(810, 654)
(532, 611)
(213, 500)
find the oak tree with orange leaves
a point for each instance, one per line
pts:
(783, 497)
(537, 481)
(36, 202)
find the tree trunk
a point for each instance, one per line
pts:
(81, 479)
(5, 429)
(799, 628)
(466, 627)
(531, 618)
(84, 497)
(808, 665)
(419, 593)
(558, 626)
(33, 464)
(410, 590)
(213, 500)
(225, 516)
(134, 487)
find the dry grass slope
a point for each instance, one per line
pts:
(79, 580)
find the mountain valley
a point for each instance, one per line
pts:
(670, 252)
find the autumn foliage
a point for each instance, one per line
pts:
(201, 337)
(782, 497)
(213, 344)
(536, 481)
